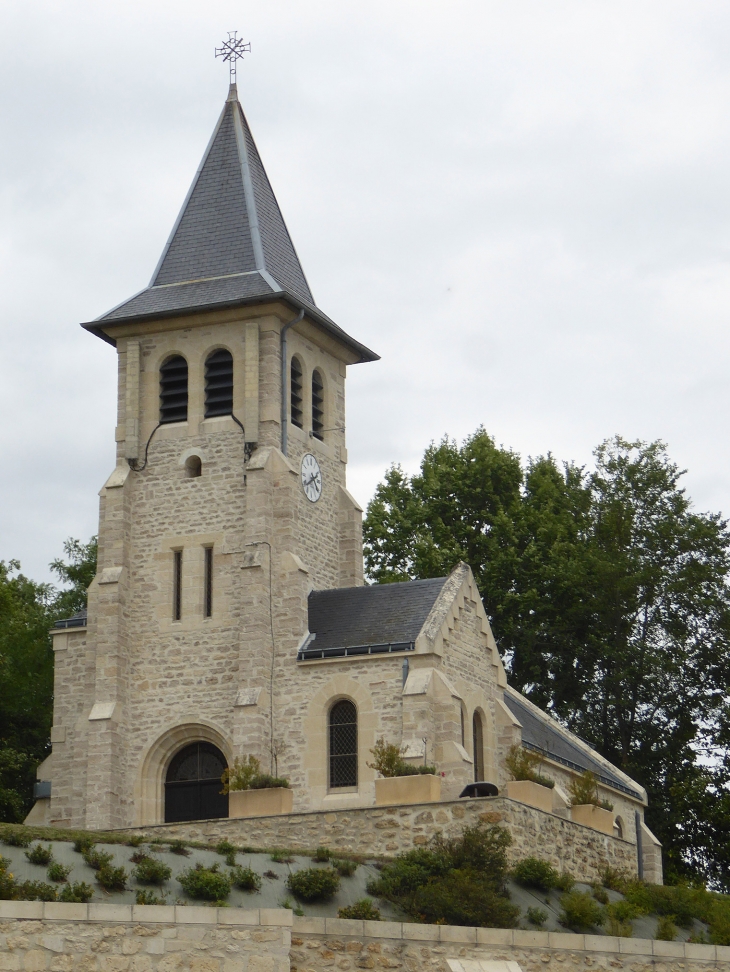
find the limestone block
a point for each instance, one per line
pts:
(260, 803)
(533, 794)
(424, 788)
(595, 817)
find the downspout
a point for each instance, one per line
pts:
(284, 396)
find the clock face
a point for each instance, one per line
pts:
(311, 478)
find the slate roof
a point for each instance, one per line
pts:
(540, 733)
(356, 620)
(229, 245)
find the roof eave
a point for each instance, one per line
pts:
(100, 327)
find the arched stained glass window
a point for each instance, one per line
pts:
(174, 390)
(343, 744)
(219, 383)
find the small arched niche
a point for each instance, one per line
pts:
(193, 467)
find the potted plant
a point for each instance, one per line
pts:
(587, 808)
(528, 785)
(400, 782)
(252, 793)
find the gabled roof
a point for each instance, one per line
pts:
(229, 245)
(356, 620)
(542, 733)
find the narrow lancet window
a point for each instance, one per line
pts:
(296, 393)
(343, 744)
(208, 607)
(174, 390)
(218, 383)
(478, 740)
(317, 405)
(177, 585)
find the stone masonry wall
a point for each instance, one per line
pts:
(385, 831)
(320, 944)
(54, 937)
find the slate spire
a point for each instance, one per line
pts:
(229, 244)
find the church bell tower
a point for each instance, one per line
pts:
(227, 506)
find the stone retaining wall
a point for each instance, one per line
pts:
(55, 937)
(320, 944)
(385, 831)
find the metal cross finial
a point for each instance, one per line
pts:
(232, 50)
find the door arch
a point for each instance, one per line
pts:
(193, 784)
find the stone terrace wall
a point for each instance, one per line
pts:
(385, 831)
(320, 944)
(53, 937)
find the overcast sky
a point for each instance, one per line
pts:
(523, 207)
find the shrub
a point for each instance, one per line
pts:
(537, 917)
(599, 893)
(363, 909)
(584, 790)
(78, 893)
(224, 848)
(16, 837)
(245, 774)
(565, 882)
(622, 910)
(458, 881)
(40, 854)
(138, 857)
(205, 883)
(524, 764)
(135, 841)
(389, 761)
(112, 878)
(7, 881)
(58, 872)
(83, 844)
(666, 930)
(614, 880)
(151, 871)
(344, 866)
(96, 858)
(281, 857)
(322, 854)
(177, 847)
(314, 883)
(580, 911)
(246, 879)
(35, 891)
(619, 929)
(272, 875)
(534, 873)
(147, 897)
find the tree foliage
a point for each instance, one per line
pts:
(28, 611)
(608, 595)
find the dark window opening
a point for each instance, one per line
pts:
(296, 393)
(343, 744)
(193, 784)
(478, 739)
(317, 405)
(174, 390)
(193, 467)
(463, 729)
(219, 383)
(208, 582)
(177, 585)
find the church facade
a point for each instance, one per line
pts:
(229, 615)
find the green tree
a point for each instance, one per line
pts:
(608, 595)
(28, 611)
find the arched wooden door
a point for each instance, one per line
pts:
(193, 785)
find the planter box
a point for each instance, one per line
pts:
(595, 817)
(532, 794)
(424, 788)
(260, 803)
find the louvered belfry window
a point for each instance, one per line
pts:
(174, 390)
(218, 383)
(343, 744)
(317, 405)
(296, 393)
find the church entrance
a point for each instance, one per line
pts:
(193, 785)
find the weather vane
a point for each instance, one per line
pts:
(232, 50)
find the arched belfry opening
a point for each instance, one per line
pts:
(193, 784)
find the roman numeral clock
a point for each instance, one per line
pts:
(311, 477)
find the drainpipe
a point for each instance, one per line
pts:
(284, 396)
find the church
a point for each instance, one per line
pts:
(229, 615)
